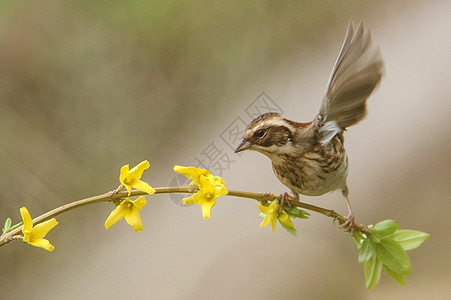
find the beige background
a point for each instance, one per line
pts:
(86, 88)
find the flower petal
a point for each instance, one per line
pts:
(143, 187)
(124, 173)
(275, 205)
(216, 180)
(264, 209)
(27, 237)
(273, 223)
(271, 208)
(188, 172)
(128, 188)
(265, 221)
(192, 199)
(272, 212)
(40, 230)
(26, 218)
(134, 219)
(140, 202)
(285, 219)
(220, 191)
(192, 172)
(117, 214)
(42, 243)
(137, 171)
(206, 208)
(205, 185)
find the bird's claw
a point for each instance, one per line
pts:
(348, 225)
(285, 198)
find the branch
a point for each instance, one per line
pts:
(113, 196)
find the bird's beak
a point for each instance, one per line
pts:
(244, 145)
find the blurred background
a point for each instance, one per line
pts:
(88, 86)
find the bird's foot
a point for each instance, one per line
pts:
(348, 225)
(285, 198)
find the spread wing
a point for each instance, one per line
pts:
(356, 73)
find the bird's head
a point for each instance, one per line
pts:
(269, 134)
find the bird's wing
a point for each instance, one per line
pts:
(356, 73)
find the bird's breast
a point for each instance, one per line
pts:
(313, 173)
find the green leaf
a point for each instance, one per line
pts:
(373, 270)
(295, 212)
(366, 251)
(15, 226)
(358, 239)
(291, 230)
(409, 239)
(385, 228)
(7, 225)
(394, 256)
(374, 237)
(397, 277)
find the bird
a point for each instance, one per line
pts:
(310, 158)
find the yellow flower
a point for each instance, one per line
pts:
(285, 221)
(271, 213)
(130, 210)
(35, 235)
(210, 188)
(195, 173)
(130, 178)
(206, 197)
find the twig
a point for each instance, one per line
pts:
(112, 196)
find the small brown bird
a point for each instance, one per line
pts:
(309, 158)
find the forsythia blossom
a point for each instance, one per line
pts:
(210, 188)
(131, 178)
(195, 173)
(271, 215)
(35, 235)
(129, 210)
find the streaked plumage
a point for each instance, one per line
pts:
(310, 158)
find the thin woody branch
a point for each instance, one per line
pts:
(112, 196)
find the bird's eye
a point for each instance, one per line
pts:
(260, 133)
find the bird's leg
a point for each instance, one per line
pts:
(285, 197)
(350, 219)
